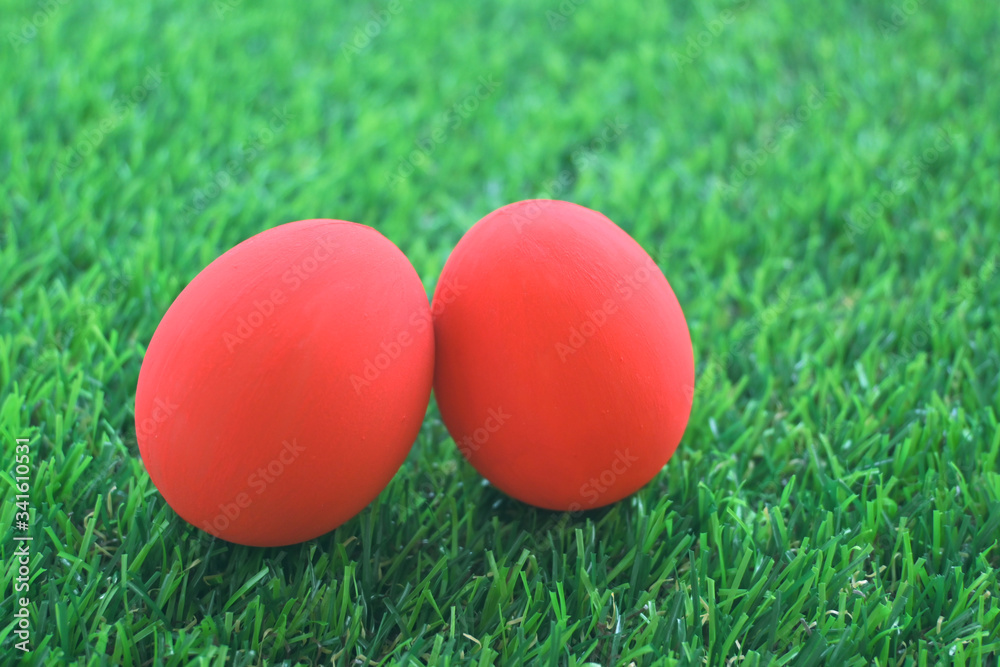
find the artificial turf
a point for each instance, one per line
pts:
(819, 183)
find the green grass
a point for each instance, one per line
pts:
(836, 497)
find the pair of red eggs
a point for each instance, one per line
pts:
(287, 382)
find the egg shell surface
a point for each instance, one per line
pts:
(285, 385)
(564, 367)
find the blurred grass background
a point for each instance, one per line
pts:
(819, 183)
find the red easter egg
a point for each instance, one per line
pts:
(564, 369)
(287, 382)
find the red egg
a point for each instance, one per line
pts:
(564, 369)
(287, 382)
